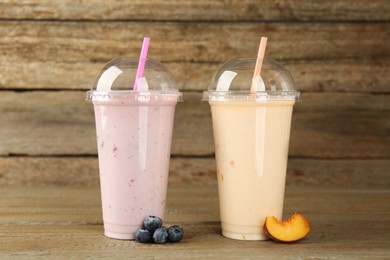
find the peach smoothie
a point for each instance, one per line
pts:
(251, 145)
(134, 141)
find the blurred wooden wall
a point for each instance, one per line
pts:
(337, 51)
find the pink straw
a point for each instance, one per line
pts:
(142, 60)
(259, 62)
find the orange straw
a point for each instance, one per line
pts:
(259, 63)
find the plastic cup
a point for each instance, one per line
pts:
(251, 135)
(134, 133)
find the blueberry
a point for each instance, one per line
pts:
(152, 223)
(160, 236)
(143, 236)
(175, 233)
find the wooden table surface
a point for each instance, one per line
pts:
(347, 223)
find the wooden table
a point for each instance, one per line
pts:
(346, 223)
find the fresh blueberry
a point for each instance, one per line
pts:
(152, 223)
(160, 236)
(175, 233)
(143, 235)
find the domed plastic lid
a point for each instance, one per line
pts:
(117, 79)
(234, 81)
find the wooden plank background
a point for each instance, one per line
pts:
(337, 51)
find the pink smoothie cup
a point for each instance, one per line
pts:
(134, 134)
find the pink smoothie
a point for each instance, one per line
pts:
(134, 141)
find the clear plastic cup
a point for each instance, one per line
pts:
(251, 135)
(134, 133)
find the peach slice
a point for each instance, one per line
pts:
(293, 229)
